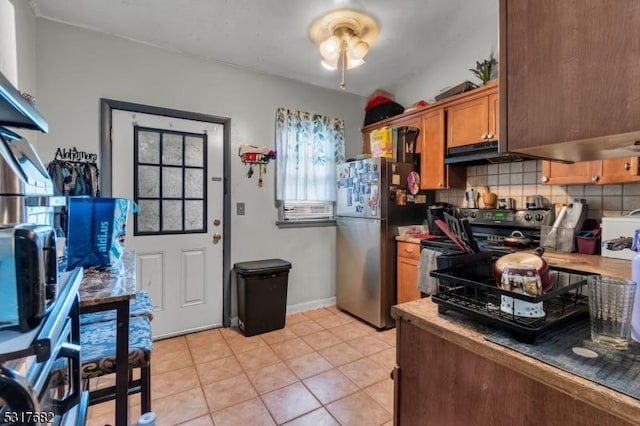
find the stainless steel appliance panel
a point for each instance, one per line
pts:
(361, 268)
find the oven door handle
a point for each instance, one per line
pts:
(72, 353)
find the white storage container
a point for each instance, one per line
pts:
(616, 227)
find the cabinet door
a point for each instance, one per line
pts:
(467, 122)
(554, 173)
(410, 121)
(366, 142)
(556, 63)
(407, 279)
(494, 117)
(620, 170)
(432, 169)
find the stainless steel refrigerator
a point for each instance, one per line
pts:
(368, 216)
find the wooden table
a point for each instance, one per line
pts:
(112, 289)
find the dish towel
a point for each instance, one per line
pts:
(427, 263)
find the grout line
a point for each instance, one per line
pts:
(269, 345)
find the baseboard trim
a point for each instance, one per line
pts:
(314, 304)
(300, 307)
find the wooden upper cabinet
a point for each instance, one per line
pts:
(619, 170)
(432, 168)
(555, 173)
(413, 121)
(430, 144)
(569, 72)
(473, 120)
(614, 170)
(494, 117)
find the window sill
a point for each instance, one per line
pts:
(305, 223)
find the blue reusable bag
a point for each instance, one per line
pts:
(97, 229)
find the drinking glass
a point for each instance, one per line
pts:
(610, 308)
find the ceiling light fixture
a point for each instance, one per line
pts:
(343, 37)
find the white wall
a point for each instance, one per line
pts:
(17, 48)
(452, 66)
(77, 67)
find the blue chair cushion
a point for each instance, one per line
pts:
(140, 306)
(98, 346)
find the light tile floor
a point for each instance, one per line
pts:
(323, 368)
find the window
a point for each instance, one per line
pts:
(169, 182)
(309, 146)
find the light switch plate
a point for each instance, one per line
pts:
(240, 209)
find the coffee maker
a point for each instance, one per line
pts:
(436, 211)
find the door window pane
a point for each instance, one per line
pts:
(170, 183)
(193, 183)
(172, 148)
(148, 216)
(194, 151)
(148, 178)
(149, 147)
(171, 215)
(193, 214)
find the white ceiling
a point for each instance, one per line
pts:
(271, 36)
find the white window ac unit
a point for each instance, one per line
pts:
(308, 210)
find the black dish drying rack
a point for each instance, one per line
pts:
(467, 284)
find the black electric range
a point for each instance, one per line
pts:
(491, 226)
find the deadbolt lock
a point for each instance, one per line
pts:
(216, 222)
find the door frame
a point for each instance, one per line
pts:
(106, 162)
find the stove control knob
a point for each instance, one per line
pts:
(473, 215)
(528, 217)
(465, 213)
(539, 217)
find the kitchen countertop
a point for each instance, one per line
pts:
(590, 263)
(109, 285)
(470, 335)
(409, 239)
(584, 262)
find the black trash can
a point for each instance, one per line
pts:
(262, 295)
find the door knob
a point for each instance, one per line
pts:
(216, 237)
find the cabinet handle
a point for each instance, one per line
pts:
(484, 136)
(441, 185)
(627, 166)
(595, 178)
(544, 179)
(490, 136)
(408, 250)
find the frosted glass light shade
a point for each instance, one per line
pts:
(330, 48)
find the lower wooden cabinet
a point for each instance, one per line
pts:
(437, 382)
(407, 267)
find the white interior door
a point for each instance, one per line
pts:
(174, 168)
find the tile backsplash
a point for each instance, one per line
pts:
(519, 179)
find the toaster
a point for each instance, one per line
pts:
(28, 274)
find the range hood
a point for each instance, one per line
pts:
(479, 153)
(15, 111)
